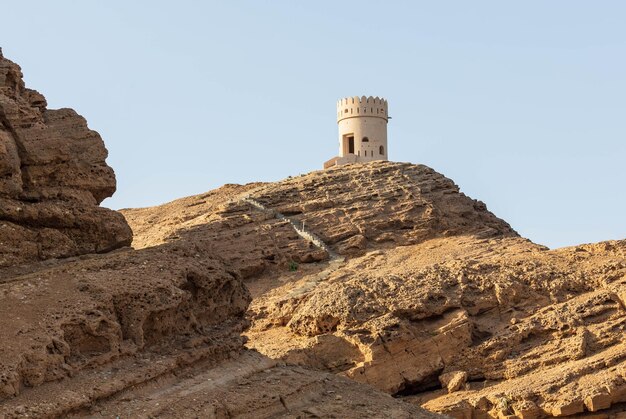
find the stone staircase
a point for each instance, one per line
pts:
(335, 261)
(297, 226)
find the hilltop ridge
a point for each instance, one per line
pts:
(374, 205)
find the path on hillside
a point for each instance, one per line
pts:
(335, 260)
(298, 227)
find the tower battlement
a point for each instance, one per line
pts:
(362, 125)
(352, 107)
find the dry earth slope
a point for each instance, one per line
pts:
(431, 298)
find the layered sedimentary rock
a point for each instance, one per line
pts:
(518, 325)
(253, 242)
(53, 175)
(438, 301)
(353, 209)
(380, 205)
(155, 332)
(252, 386)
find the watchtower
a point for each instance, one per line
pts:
(362, 130)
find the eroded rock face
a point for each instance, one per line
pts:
(176, 301)
(354, 209)
(438, 302)
(53, 175)
(533, 330)
(433, 284)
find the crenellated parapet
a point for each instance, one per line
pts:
(353, 107)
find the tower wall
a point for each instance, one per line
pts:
(365, 120)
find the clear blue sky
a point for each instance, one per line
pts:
(523, 104)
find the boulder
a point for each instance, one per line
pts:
(453, 381)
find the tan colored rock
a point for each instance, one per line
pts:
(498, 307)
(75, 315)
(453, 381)
(527, 409)
(383, 202)
(567, 408)
(53, 175)
(461, 410)
(354, 245)
(530, 322)
(252, 242)
(150, 331)
(598, 401)
(618, 393)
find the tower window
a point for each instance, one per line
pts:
(365, 153)
(365, 139)
(346, 111)
(382, 150)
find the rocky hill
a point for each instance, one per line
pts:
(372, 290)
(415, 289)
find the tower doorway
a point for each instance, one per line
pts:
(348, 144)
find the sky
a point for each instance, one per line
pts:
(522, 104)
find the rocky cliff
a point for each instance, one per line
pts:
(53, 175)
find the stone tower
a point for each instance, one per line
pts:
(362, 130)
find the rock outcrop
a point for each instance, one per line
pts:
(53, 175)
(521, 322)
(155, 332)
(438, 302)
(96, 310)
(251, 241)
(380, 205)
